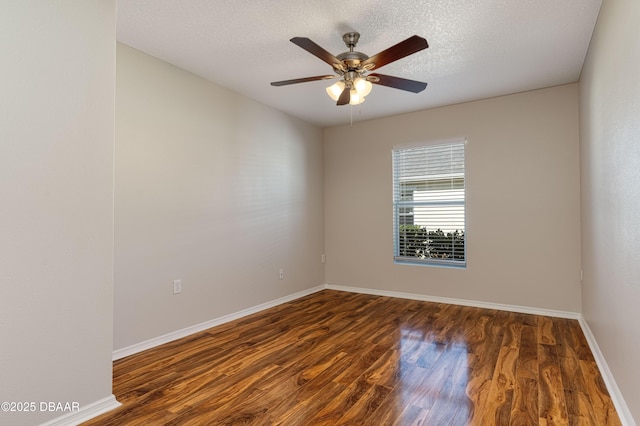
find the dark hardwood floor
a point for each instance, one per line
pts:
(336, 358)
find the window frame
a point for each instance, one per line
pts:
(401, 207)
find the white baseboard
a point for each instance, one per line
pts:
(616, 396)
(453, 301)
(85, 413)
(166, 338)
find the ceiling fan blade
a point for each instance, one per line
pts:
(398, 83)
(303, 80)
(398, 51)
(345, 97)
(317, 51)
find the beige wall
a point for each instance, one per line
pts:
(213, 189)
(523, 229)
(56, 209)
(610, 166)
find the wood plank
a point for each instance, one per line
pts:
(551, 401)
(572, 377)
(482, 364)
(299, 411)
(524, 409)
(365, 406)
(497, 409)
(577, 340)
(340, 403)
(546, 331)
(579, 408)
(603, 407)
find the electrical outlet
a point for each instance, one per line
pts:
(177, 286)
(323, 258)
(281, 274)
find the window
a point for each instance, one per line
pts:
(429, 204)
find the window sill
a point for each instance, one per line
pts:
(437, 263)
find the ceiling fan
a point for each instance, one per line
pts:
(353, 68)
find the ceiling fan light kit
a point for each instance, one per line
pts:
(353, 68)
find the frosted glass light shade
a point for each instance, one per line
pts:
(356, 99)
(335, 90)
(362, 86)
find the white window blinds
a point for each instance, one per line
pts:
(429, 204)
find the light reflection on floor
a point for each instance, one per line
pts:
(432, 379)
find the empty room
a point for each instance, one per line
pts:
(320, 213)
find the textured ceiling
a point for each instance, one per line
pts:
(477, 48)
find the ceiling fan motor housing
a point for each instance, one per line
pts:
(352, 59)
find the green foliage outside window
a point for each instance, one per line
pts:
(417, 241)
